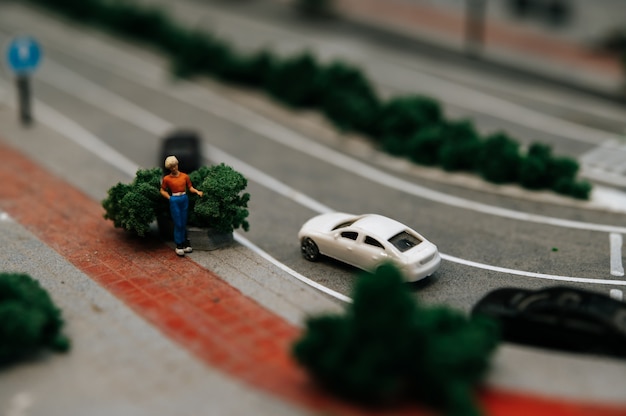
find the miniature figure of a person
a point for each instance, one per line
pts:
(174, 188)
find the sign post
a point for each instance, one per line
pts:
(23, 56)
(475, 27)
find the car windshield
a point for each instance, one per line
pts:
(404, 241)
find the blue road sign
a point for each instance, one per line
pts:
(23, 55)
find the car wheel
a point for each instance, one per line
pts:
(309, 249)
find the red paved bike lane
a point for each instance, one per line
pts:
(192, 305)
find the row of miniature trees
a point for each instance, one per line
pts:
(135, 206)
(409, 126)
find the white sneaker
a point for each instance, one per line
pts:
(188, 249)
(180, 251)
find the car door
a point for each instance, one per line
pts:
(371, 253)
(347, 247)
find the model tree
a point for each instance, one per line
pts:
(29, 320)
(134, 206)
(387, 347)
(223, 208)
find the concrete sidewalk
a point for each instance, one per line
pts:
(119, 364)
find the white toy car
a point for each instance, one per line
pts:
(367, 241)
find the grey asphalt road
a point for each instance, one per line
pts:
(122, 95)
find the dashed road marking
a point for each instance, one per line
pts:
(617, 268)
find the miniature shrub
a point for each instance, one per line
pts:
(573, 188)
(460, 146)
(133, 207)
(535, 167)
(404, 116)
(499, 159)
(295, 81)
(348, 99)
(562, 168)
(423, 147)
(146, 25)
(82, 10)
(255, 70)
(224, 204)
(200, 53)
(314, 8)
(29, 320)
(387, 347)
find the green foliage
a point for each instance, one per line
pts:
(224, 205)
(296, 81)
(348, 99)
(573, 188)
(29, 320)
(423, 147)
(133, 207)
(147, 25)
(460, 146)
(82, 10)
(403, 117)
(387, 347)
(254, 70)
(314, 8)
(499, 159)
(200, 53)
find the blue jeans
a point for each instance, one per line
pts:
(178, 209)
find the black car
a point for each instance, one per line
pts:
(185, 145)
(561, 318)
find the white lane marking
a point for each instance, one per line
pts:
(90, 142)
(265, 180)
(531, 274)
(207, 100)
(480, 102)
(616, 294)
(616, 242)
(79, 135)
(245, 242)
(67, 80)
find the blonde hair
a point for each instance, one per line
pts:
(170, 162)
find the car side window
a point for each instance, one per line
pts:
(373, 242)
(352, 235)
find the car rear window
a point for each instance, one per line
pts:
(404, 241)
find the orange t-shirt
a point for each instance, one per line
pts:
(176, 184)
